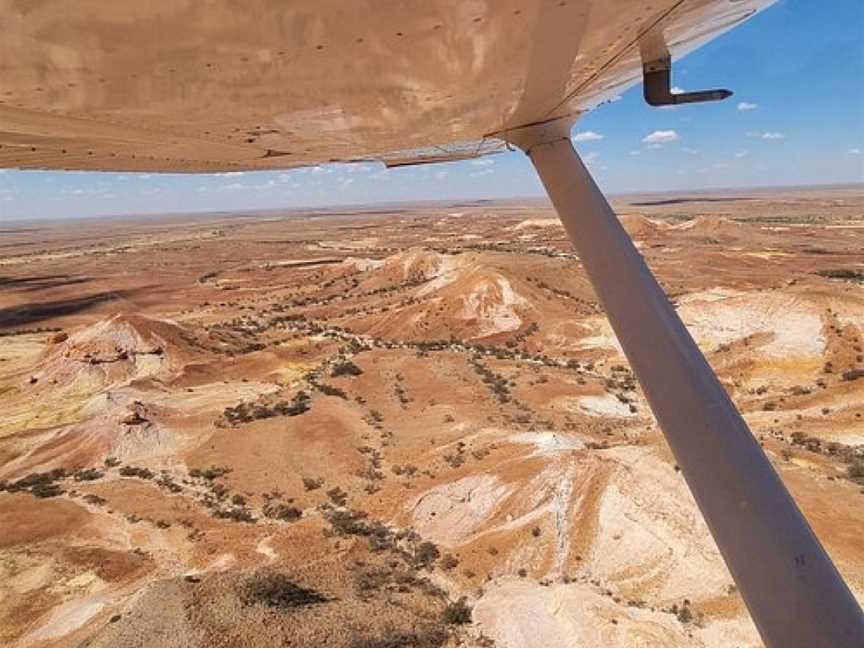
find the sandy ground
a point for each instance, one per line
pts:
(326, 430)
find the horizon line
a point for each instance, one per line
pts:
(442, 201)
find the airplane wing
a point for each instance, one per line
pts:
(262, 84)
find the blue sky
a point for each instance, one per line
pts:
(797, 117)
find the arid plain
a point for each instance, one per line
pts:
(404, 426)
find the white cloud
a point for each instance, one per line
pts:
(691, 151)
(226, 174)
(677, 90)
(741, 154)
(440, 175)
(744, 106)
(767, 135)
(590, 158)
(661, 137)
(635, 152)
(587, 136)
(615, 98)
(482, 172)
(482, 162)
(720, 165)
(854, 151)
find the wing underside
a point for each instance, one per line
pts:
(263, 84)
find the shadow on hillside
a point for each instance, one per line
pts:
(681, 201)
(32, 284)
(26, 314)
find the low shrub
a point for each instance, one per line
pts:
(278, 591)
(88, 474)
(311, 484)
(337, 496)
(282, 512)
(238, 514)
(329, 390)
(457, 613)
(345, 368)
(855, 471)
(136, 471)
(39, 484)
(426, 554)
(211, 473)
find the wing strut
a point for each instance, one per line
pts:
(794, 593)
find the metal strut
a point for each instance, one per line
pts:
(793, 592)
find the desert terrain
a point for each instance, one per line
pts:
(404, 426)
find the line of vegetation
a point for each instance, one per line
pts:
(248, 412)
